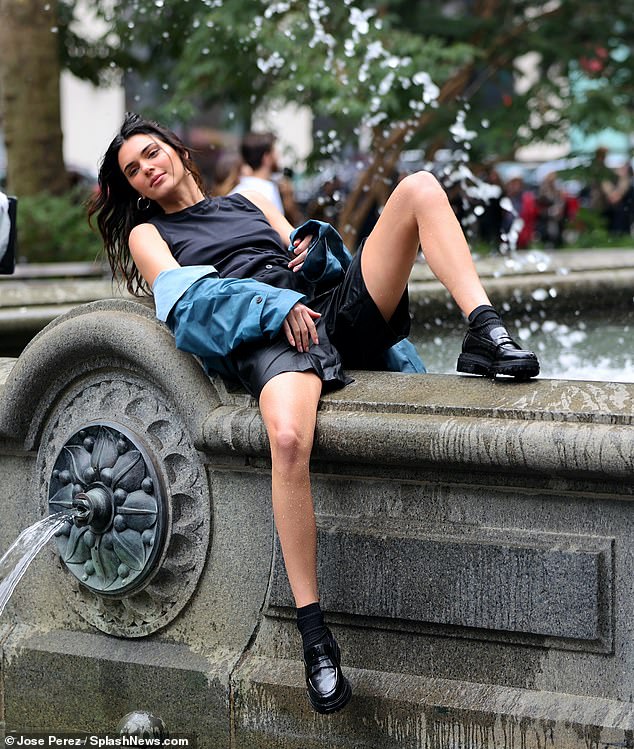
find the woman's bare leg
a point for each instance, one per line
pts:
(418, 212)
(288, 404)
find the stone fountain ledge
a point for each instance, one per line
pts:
(39, 292)
(475, 543)
(6, 365)
(598, 280)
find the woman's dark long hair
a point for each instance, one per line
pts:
(115, 203)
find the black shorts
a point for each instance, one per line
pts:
(352, 334)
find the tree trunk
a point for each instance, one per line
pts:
(30, 106)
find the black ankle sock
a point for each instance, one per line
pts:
(483, 314)
(310, 622)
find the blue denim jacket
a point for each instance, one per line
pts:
(213, 317)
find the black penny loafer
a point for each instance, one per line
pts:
(328, 689)
(491, 351)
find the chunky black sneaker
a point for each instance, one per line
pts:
(328, 689)
(489, 350)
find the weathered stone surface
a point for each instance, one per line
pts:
(548, 427)
(475, 554)
(99, 335)
(6, 365)
(150, 419)
(70, 681)
(411, 712)
(528, 583)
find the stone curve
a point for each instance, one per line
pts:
(103, 332)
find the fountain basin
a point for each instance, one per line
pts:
(475, 554)
(572, 347)
(555, 283)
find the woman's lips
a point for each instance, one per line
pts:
(155, 180)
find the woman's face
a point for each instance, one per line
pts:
(152, 167)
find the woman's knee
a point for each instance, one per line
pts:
(289, 406)
(290, 441)
(421, 190)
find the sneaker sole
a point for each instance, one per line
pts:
(479, 365)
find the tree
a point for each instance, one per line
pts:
(403, 74)
(30, 105)
(423, 74)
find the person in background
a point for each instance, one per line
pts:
(285, 185)
(227, 171)
(524, 205)
(5, 225)
(599, 176)
(8, 233)
(491, 222)
(619, 196)
(326, 205)
(259, 156)
(552, 212)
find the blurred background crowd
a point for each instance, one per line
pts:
(550, 205)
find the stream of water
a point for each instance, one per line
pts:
(23, 551)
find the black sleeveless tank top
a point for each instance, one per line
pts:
(233, 235)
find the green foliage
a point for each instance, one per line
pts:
(348, 62)
(590, 231)
(360, 65)
(54, 228)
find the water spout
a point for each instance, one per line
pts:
(24, 549)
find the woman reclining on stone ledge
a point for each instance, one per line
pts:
(284, 311)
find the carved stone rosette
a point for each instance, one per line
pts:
(116, 456)
(115, 535)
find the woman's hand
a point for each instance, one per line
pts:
(299, 327)
(300, 250)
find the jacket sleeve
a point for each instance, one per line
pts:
(216, 315)
(403, 357)
(327, 258)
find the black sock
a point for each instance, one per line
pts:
(310, 622)
(482, 315)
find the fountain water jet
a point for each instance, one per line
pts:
(15, 562)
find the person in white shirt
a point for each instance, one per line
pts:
(260, 158)
(7, 233)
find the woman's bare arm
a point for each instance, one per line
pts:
(282, 227)
(150, 252)
(273, 215)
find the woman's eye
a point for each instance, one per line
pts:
(154, 152)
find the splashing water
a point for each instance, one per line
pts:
(21, 553)
(595, 349)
